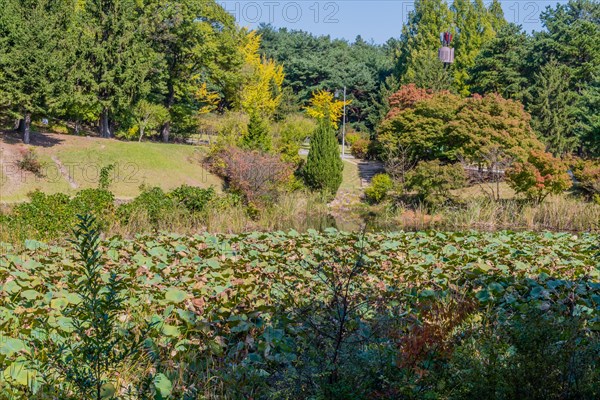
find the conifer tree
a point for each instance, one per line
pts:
(115, 59)
(323, 171)
(421, 40)
(474, 28)
(258, 136)
(553, 107)
(32, 65)
(500, 66)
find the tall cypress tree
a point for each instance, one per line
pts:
(324, 167)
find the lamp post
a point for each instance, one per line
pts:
(343, 124)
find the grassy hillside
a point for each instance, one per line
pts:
(72, 163)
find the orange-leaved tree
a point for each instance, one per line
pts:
(540, 175)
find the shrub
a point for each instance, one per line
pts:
(290, 134)
(99, 203)
(258, 136)
(154, 202)
(194, 199)
(433, 181)
(379, 188)
(360, 148)
(542, 174)
(587, 178)
(30, 162)
(323, 171)
(259, 177)
(352, 137)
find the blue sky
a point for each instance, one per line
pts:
(372, 19)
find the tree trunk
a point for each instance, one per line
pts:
(26, 127)
(104, 124)
(170, 100)
(141, 134)
(19, 125)
(166, 129)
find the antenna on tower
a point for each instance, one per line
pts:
(446, 53)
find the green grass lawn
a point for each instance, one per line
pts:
(136, 164)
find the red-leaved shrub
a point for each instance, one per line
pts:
(259, 176)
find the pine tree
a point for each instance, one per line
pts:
(199, 43)
(590, 116)
(115, 59)
(500, 66)
(324, 166)
(421, 40)
(32, 65)
(258, 136)
(474, 28)
(553, 107)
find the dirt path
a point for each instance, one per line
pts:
(64, 172)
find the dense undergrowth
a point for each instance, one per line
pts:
(329, 315)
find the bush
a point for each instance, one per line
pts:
(360, 148)
(194, 199)
(259, 177)
(290, 134)
(154, 202)
(379, 188)
(542, 174)
(352, 137)
(587, 178)
(30, 162)
(433, 181)
(533, 354)
(49, 217)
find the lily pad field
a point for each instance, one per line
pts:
(316, 315)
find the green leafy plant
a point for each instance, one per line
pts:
(105, 178)
(433, 181)
(379, 188)
(89, 354)
(541, 175)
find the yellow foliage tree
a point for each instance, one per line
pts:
(210, 100)
(323, 105)
(262, 79)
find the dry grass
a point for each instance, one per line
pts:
(558, 213)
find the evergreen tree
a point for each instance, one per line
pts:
(114, 57)
(323, 170)
(259, 135)
(421, 40)
(553, 107)
(497, 16)
(590, 117)
(500, 66)
(198, 42)
(474, 29)
(31, 63)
